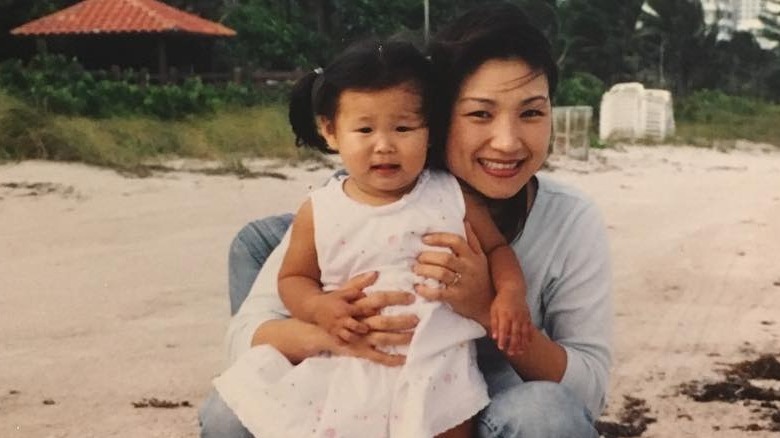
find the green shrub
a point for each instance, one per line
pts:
(580, 89)
(53, 83)
(715, 106)
(708, 115)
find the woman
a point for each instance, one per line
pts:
(494, 122)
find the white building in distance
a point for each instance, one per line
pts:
(720, 14)
(770, 19)
(748, 13)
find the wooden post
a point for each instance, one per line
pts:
(116, 73)
(237, 75)
(162, 60)
(40, 45)
(144, 78)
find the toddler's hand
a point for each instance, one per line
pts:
(336, 314)
(510, 323)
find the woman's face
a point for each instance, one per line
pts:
(500, 127)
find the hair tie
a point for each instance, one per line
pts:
(316, 87)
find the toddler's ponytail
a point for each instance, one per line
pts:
(301, 112)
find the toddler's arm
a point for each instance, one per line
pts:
(300, 288)
(510, 321)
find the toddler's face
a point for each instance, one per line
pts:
(382, 138)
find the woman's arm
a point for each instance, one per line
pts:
(261, 305)
(298, 340)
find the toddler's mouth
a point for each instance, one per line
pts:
(386, 166)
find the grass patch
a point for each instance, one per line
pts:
(128, 144)
(708, 117)
(136, 144)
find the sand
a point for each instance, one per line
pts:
(113, 289)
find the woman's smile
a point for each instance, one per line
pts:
(500, 168)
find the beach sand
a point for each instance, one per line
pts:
(113, 290)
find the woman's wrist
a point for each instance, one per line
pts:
(295, 339)
(544, 359)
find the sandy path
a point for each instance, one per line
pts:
(112, 290)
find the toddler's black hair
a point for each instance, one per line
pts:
(370, 65)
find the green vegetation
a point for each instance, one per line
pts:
(131, 143)
(580, 89)
(51, 108)
(54, 83)
(134, 144)
(707, 116)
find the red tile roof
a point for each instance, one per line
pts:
(121, 16)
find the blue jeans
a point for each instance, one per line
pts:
(517, 409)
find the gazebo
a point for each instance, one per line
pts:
(128, 33)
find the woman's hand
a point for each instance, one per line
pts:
(387, 330)
(383, 330)
(464, 272)
(336, 314)
(298, 340)
(365, 349)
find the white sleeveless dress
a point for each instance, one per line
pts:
(437, 388)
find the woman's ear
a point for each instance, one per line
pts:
(327, 129)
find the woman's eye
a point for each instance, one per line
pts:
(364, 130)
(531, 113)
(479, 114)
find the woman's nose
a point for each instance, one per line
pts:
(506, 134)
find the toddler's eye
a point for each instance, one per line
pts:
(404, 128)
(364, 130)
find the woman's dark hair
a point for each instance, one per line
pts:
(492, 31)
(366, 66)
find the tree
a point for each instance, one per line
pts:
(743, 67)
(362, 18)
(272, 36)
(598, 38)
(677, 28)
(209, 9)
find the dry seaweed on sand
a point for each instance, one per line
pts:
(164, 404)
(765, 367)
(633, 420)
(736, 386)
